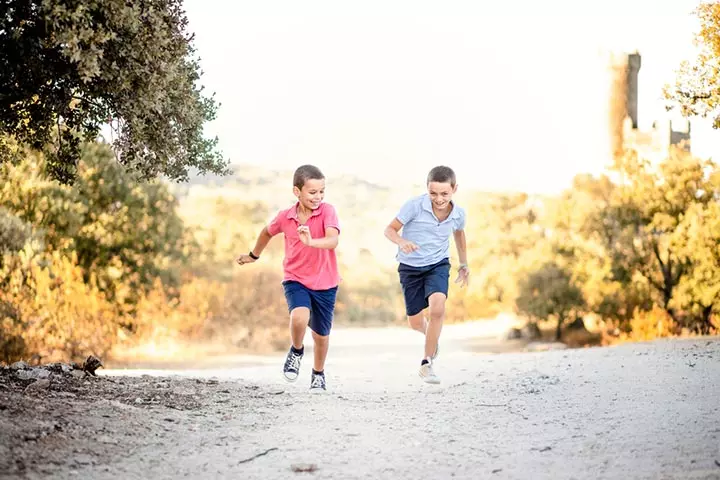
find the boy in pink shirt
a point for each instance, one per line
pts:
(311, 276)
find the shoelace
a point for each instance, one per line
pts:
(293, 362)
(317, 382)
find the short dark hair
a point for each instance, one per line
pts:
(305, 173)
(442, 174)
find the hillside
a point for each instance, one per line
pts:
(364, 208)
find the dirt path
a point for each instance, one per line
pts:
(633, 411)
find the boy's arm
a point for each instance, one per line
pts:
(331, 225)
(463, 268)
(329, 241)
(461, 245)
(260, 244)
(392, 234)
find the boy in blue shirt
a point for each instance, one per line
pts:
(427, 222)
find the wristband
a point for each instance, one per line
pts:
(253, 256)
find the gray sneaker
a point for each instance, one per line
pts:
(317, 383)
(428, 374)
(291, 369)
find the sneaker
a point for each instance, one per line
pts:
(427, 374)
(317, 383)
(291, 370)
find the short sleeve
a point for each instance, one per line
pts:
(408, 211)
(330, 217)
(275, 225)
(460, 221)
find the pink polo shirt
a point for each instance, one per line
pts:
(316, 268)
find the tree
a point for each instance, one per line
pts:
(550, 291)
(505, 239)
(650, 204)
(13, 233)
(697, 89)
(586, 228)
(70, 67)
(698, 242)
(123, 232)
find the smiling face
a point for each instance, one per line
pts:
(441, 195)
(311, 194)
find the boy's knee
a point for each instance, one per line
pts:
(437, 306)
(437, 312)
(320, 339)
(300, 314)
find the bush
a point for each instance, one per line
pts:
(13, 233)
(51, 313)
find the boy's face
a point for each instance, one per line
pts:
(440, 194)
(311, 194)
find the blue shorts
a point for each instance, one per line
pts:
(321, 304)
(418, 283)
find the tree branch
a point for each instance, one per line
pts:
(258, 455)
(694, 96)
(656, 250)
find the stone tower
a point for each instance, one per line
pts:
(652, 144)
(624, 70)
(631, 102)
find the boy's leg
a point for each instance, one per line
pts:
(437, 283)
(323, 306)
(418, 322)
(413, 288)
(437, 317)
(322, 344)
(299, 318)
(299, 306)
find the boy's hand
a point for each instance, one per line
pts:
(305, 236)
(407, 246)
(243, 259)
(463, 276)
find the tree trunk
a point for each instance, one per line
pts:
(669, 280)
(558, 332)
(706, 314)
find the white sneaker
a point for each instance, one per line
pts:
(427, 374)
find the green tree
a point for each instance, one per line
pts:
(505, 240)
(124, 232)
(550, 292)
(650, 204)
(697, 89)
(698, 243)
(586, 226)
(70, 67)
(13, 234)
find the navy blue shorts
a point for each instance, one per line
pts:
(418, 283)
(321, 304)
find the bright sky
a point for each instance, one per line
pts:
(512, 95)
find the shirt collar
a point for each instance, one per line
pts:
(427, 206)
(292, 212)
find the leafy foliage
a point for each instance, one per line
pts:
(69, 68)
(697, 90)
(550, 292)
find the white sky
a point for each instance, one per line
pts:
(510, 94)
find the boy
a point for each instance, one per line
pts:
(427, 222)
(310, 269)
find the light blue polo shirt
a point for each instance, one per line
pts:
(421, 226)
